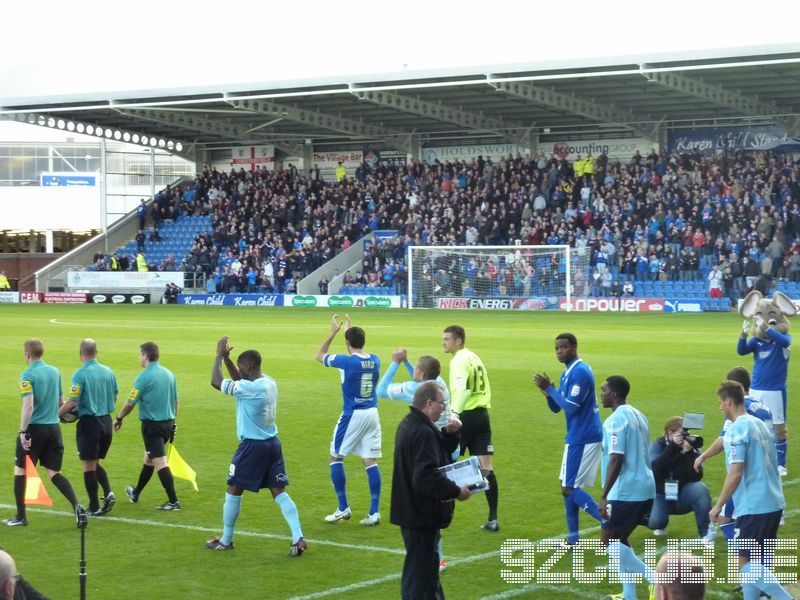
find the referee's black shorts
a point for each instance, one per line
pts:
(47, 447)
(93, 435)
(476, 432)
(155, 435)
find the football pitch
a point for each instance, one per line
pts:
(673, 361)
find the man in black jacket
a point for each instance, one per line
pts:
(422, 498)
(678, 486)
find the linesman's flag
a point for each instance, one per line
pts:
(180, 468)
(35, 492)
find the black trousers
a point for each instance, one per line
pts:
(421, 568)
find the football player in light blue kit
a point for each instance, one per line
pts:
(358, 430)
(770, 346)
(755, 485)
(428, 369)
(751, 407)
(629, 487)
(581, 459)
(258, 462)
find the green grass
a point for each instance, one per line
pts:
(674, 363)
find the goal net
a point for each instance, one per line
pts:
(497, 277)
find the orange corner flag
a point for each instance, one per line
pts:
(35, 492)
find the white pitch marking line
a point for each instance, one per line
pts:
(138, 325)
(451, 563)
(244, 533)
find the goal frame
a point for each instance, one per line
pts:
(565, 249)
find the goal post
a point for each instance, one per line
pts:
(497, 277)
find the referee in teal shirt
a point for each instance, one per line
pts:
(39, 432)
(156, 393)
(93, 396)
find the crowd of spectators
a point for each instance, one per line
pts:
(660, 217)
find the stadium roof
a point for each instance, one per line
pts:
(599, 97)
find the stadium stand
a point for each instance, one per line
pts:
(659, 222)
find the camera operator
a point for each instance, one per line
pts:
(171, 294)
(678, 486)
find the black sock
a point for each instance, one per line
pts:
(19, 495)
(491, 495)
(64, 486)
(90, 481)
(102, 479)
(144, 477)
(165, 475)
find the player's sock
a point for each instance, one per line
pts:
(780, 446)
(572, 519)
(102, 479)
(90, 481)
(289, 510)
(439, 549)
(19, 495)
(168, 481)
(629, 563)
(586, 503)
(65, 487)
(727, 530)
(760, 578)
(339, 479)
(144, 477)
(491, 495)
(374, 478)
(230, 512)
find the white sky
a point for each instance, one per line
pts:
(71, 48)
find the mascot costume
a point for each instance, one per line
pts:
(770, 345)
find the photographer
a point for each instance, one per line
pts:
(678, 486)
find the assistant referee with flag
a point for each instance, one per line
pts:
(156, 393)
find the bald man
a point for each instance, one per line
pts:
(93, 394)
(8, 574)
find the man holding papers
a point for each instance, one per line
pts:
(422, 497)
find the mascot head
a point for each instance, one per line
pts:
(767, 313)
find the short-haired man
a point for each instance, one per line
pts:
(358, 430)
(752, 407)
(93, 394)
(755, 485)
(422, 497)
(258, 462)
(471, 399)
(156, 393)
(629, 487)
(39, 432)
(582, 445)
(427, 369)
(684, 566)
